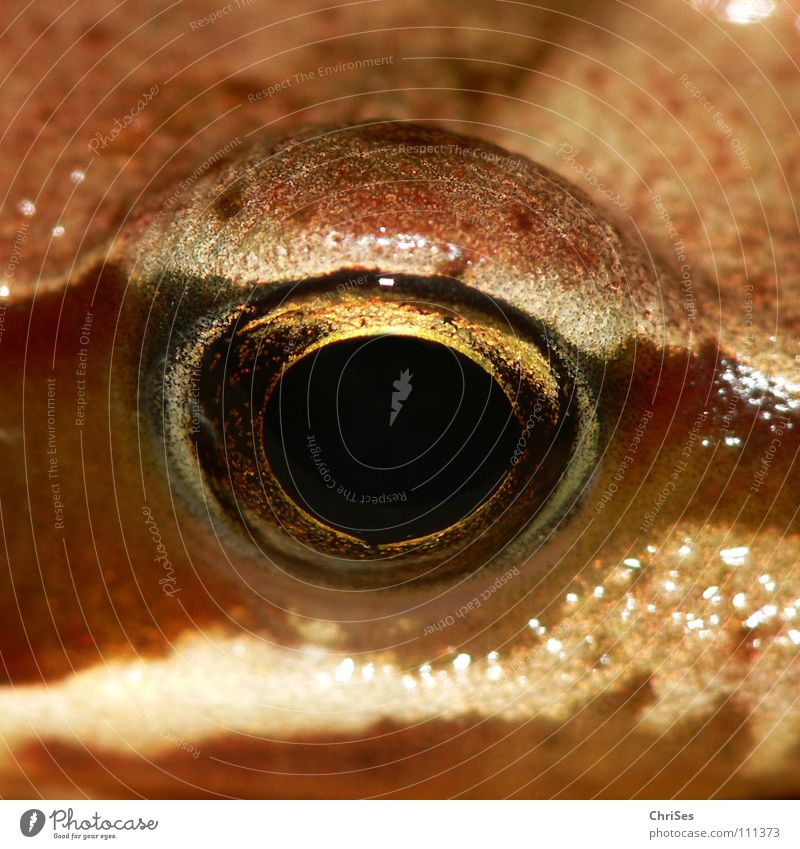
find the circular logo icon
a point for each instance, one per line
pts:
(31, 822)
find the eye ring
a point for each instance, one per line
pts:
(242, 367)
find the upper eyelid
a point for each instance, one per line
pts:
(259, 229)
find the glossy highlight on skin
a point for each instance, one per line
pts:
(647, 643)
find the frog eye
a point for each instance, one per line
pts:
(385, 352)
(380, 433)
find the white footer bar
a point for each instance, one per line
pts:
(403, 825)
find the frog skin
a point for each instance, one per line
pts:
(649, 645)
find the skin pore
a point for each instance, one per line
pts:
(158, 162)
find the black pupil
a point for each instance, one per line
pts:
(389, 438)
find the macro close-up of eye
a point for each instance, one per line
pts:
(399, 402)
(293, 398)
(340, 469)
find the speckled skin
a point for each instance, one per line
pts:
(285, 689)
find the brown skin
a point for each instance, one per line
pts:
(653, 706)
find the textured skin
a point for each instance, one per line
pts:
(240, 684)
